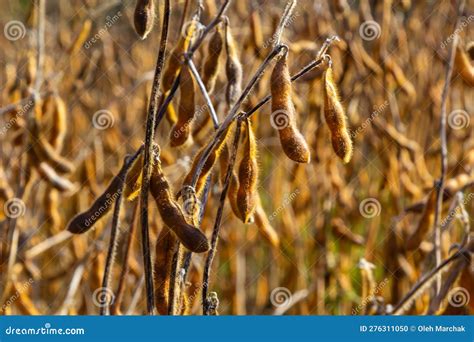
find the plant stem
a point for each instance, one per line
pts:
(217, 223)
(444, 144)
(149, 136)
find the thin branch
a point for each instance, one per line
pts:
(290, 7)
(115, 309)
(204, 92)
(444, 143)
(114, 234)
(149, 136)
(217, 223)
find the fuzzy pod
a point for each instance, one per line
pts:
(233, 70)
(164, 250)
(181, 131)
(208, 165)
(284, 115)
(144, 17)
(233, 183)
(173, 68)
(172, 215)
(174, 63)
(84, 221)
(336, 119)
(133, 180)
(248, 176)
(212, 64)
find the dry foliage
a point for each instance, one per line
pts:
(316, 157)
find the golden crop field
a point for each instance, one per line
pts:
(218, 157)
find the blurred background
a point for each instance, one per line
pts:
(339, 239)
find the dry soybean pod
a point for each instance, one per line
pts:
(336, 119)
(208, 165)
(180, 133)
(84, 221)
(133, 180)
(172, 215)
(233, 69)
(211, 64)
(174, 65)
(233, 183)
(144, 17)
(284, 115)
(248, 176)
(164, 251)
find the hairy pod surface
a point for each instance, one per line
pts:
(336, 119)
(212, 62)
(284, 115)
(248, 176)
(233, 69)
(164, 251)
(208, 165)
(181, 131)
(84, 221)
(144, 17)
(172, 215)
